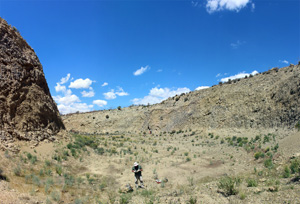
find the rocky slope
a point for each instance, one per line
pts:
(269, 100)
(27, 110)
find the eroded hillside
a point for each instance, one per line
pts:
(269, 100)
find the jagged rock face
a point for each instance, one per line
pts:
(27, 110)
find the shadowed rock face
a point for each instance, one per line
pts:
(27, 110)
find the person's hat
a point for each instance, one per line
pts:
(135, 164)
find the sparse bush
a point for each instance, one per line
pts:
(295, 166)
(286, 172)
(251, 182)
(17, 171)
(242, 196)
(229, 185)
(268, 163)
(36, 180)
(58, 169)
(258, 155)
(192, 200)
(55, 196)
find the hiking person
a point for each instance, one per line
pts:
(137, 169)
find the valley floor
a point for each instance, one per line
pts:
(194, 167)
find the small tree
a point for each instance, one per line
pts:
(119, 107)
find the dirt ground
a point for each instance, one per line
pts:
(192, 162)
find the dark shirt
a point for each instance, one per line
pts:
(137, 170)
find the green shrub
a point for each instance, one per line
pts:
(36, 180)
(33, 159)
(229, 185)
(268, 163)
(295, 165)
(58, 169)
(258, 155)
(55, 196)
(47, 163)
(251, 182)
(286, 172)
(242, 196)
(192, 200)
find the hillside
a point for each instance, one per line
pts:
(266, 101)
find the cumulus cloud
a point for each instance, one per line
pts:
(72, 108)
(65, 79)
(232, 5)
(201, 87)
(156, 95)
(284, 61)
(69, 102)
(100, 103)
(238, 76)
(104, 84)
(141, 70)
(67, 99)
(81, 83)
(60, 88)
(89, 93)
(112, 94)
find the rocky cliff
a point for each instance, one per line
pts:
(268, 100)
(27, 110)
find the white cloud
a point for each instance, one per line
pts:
(232, 5)
(104, 84)
(68, 102)
(91, 93)
(112, 94)
(201, 87)
(60, 88)
(67, 99)
(65, 79)
(237, 44)
(100, 103)
(121, 92)
(159, 70)
(156, 95)
(284, 61)
(141, 70)
(72, 108)
(238, 76)
(81, 83)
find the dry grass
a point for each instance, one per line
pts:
(94, 169)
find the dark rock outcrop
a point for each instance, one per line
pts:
(27, 110)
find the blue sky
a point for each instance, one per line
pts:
(104, 54)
